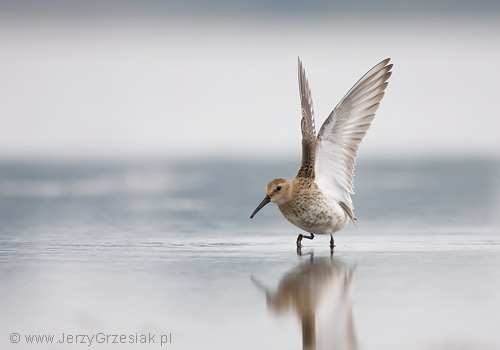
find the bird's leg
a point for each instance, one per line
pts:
(299, 250)
(299, 239)
(332, 245)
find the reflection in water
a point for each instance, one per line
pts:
(320, 292)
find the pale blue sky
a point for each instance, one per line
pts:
(160, 85)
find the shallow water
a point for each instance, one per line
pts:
(166, 250)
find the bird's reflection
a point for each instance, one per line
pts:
(320, 292)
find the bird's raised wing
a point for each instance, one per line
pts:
(343, 130)
(307, 125)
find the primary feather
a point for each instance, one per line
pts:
(336, 146)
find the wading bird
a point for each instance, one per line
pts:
(318, 200)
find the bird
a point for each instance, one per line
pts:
(318, 200)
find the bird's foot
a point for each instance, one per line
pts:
(299, 250)
(299, 239)
(332, 244)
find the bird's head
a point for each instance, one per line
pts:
(278, 191)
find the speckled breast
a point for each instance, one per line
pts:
(315, 213)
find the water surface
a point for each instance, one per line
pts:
(166, 248)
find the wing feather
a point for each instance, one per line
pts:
(307, 125)
(340, 135)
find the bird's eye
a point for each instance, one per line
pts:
(278, 188)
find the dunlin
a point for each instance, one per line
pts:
(318, 200)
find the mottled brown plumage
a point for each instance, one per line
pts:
(318, 199)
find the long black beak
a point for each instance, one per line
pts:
(261, 205)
